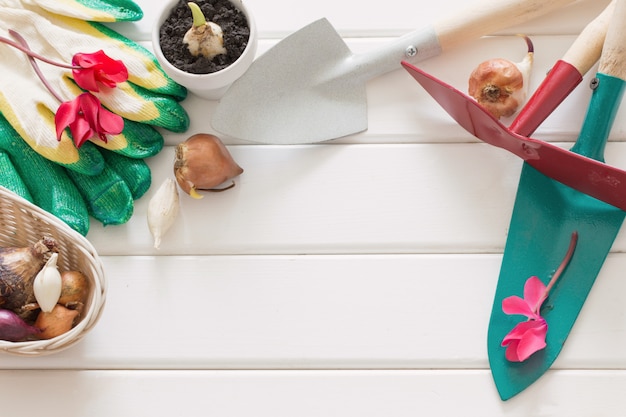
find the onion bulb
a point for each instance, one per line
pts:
(56, 322)
(18, 268)
(74, 290)
(500, 85)
(14, 329)
(202, 162)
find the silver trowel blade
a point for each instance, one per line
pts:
(297, 92)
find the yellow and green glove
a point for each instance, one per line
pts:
(105, 174)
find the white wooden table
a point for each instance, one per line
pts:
(352, 278)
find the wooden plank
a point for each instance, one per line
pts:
(395, 18)
(399, 110)
(405, 198)
(318, 312)
(306, 394)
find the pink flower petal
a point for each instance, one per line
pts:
(525, 339)
(534, 292)
(516, 305)
(86, 79)
(81, 132)
(86, 118)
(89, 106)
(511, 351)
(533, 341)
(65, 115)
(109, 123)
(98, 69)
(518, 331)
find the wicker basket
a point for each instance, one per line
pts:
(22, 224)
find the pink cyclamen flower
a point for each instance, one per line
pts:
(527, 337)
(86, 118)
(98, 69)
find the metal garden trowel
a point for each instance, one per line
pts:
(310, 87)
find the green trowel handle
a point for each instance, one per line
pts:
(601, 112)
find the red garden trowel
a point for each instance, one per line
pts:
(545, 215)
(578, 171)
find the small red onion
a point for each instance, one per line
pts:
(14, 329)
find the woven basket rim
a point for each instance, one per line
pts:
(41, 219)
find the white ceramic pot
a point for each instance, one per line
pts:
(213, 85)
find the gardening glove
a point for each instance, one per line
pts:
(149, 98)
(94, 10)
(71, 196)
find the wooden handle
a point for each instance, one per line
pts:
(587, 48)
(489, 16)
(613, 59)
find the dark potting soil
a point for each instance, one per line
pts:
(235, 28)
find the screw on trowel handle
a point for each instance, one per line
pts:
(613, 59)
(489, 16)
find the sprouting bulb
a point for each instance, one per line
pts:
(500, 85)
(204, 38)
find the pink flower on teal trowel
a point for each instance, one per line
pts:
(529, 336)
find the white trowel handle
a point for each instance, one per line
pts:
(477, 19)
(488, 16)
(586, 49)
(614, 54)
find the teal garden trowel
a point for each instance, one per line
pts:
(547, 212)
(545, 215)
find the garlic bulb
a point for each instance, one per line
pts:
(162, 210)
(500, 85)
(47, 285)
(204, 38)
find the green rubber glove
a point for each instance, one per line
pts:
(71, 196)
(43, 182)
(94, 10)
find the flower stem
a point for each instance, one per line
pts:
(560, 269)
(23, 46)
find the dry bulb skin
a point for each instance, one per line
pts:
(500, 85)
(204, 38)
(203, 163)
